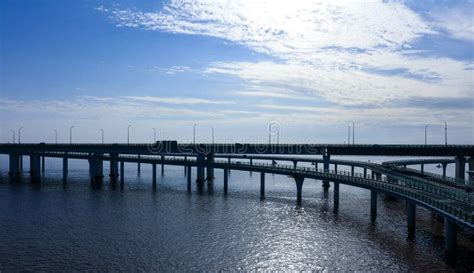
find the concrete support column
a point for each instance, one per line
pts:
(316, 166)
(411, 219)
(200, 168)
(189, 177)
(65, 167)
(326, 160)
(226, 180)
(262, 185)
(21, 162)
(422, 168)
(352, 170)
(450, 236)
(42, 163)
(210, 167)
(373, 204)
(336, 194)
(138, 165)
(335, 168)
(185, 167)
(122, 172)
(14, 167)
(295, 163)
(96, 169)
(162, 165)
(114, 167)
(377, 176)
(35, 167)
(365, 173)
(444, 169)
(251, 162)
(154, 175)
(460, 168)
(471, 169)
(299, 187)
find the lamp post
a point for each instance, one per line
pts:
(13, 136)
(70, 134)
(278, 136)
(102, 132)
(445, 133)
(353, 133)
(212, 129)
(349, 135)
(128, 134)
(19, 134)
(194, 133)
(56, 136)
(154, 134)
(426, 132)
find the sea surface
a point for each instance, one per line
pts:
(56, 227)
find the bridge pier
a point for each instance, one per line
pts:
(450, 237)
(138, 165)
(96, 170)
(114, 172)
(21, 163)
(460, 167)
(326, 160)
(162, 165)
(154, 175)
(444, 170)
(471, 169)
(295, 163)
(14, 167)
(352, 170)
(185, 167)
(262, 185)
(35, 167)
(422, 168)
(299, 187)
(336, 195)
(189, 177)
(122, 172)
(335, 168)
(316, 166)
(373, 204)
(365, 173)
(200, 168)
(65, 167)
(226, 180)
(42, 163)
(411, 219)
(210, 167)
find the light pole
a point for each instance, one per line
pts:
(278, 136)
(128, 134)
(154, 134)
(70, 134)
(353, 133)
(56, 136)
(349, 135)
(269, 134)
(445, 133)
(194, 133)
(19, 134)
(426, 131)
(13, 136)
(102, 131)
(212, 129)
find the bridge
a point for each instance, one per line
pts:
(449, 197)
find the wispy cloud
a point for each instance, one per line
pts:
(457, 21)
(176, 100)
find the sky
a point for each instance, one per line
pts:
(306, 69)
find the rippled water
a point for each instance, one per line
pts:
(50, 227)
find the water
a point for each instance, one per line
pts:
(49, 227)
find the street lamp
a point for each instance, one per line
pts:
(19, 134)
(70, 134)
(212, 128)
(128, 134)
(56, 136)
(194, 133)
(13, 136)
(278, 136)
(445, 133)
(154, 134)
(426, 131)
(102, 131)
(349, 135)
(353, 133)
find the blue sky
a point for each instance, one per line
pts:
(313, 67)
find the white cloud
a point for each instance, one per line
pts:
(457, 21)
(176, 100)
